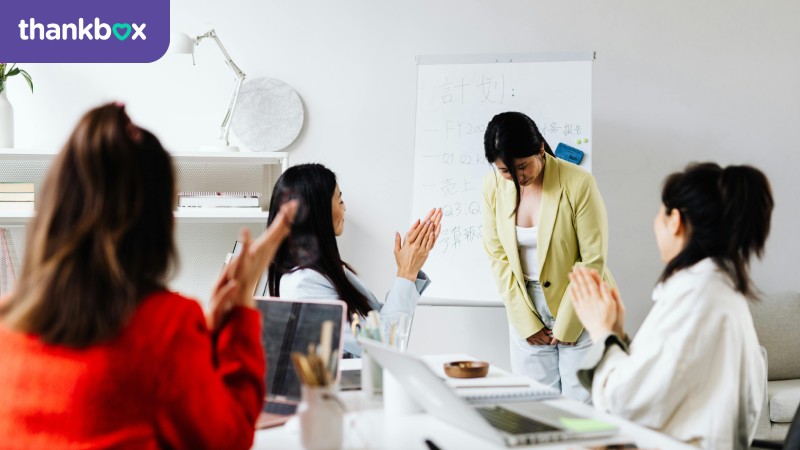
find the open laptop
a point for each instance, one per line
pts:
(510, 424)
(290, 326)
(349, 378)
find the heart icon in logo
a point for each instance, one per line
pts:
(121, 26)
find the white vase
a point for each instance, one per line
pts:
(321, 418)
(6, 121)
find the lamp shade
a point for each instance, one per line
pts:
(180, 42)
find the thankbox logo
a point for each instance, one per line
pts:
(48, 31)
(100, 31)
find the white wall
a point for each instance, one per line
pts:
(674, 82)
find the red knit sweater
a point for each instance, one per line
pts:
(156, 385)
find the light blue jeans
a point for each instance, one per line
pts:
(552, 365)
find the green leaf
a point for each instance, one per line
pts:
(27, 77)
(12, 72)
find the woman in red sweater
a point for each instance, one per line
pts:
(95, 352)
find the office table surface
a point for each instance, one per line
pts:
(366, 426)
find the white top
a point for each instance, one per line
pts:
(694, 370)
(401, 299)
(528, 243)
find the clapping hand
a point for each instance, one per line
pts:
(263, 249)
(598, 307)
(238, 279)
(412, 252)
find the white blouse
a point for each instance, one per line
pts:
(401, 299)
(694, 370)
(528, 242)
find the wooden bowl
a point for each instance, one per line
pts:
(466, 369)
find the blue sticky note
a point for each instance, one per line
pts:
(568, 153)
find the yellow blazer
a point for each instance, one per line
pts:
(573, 229)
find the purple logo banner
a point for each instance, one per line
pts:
(84, 31)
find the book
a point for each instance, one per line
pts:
(16, 206)
(498, 386)
(16, 196)
(9, 263)
(485, 396)
(218, 194)
(219, 199)
(16, 187)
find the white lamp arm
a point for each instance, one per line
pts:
(240, 76)
(213, 35)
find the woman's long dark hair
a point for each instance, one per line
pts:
(511, 135)
(312, 243)
(727, 216)
(102, 239)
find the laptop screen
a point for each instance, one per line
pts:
(290, 326)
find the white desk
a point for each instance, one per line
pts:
(368, 427)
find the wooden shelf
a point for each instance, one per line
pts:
(20, 154)
(183, 215)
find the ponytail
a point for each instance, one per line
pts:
(746, 212)
(748, 204)
(727, 214)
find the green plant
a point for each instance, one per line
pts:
(6, 71)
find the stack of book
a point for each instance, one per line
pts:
(498, 386)
(16, 196)
(219, 199)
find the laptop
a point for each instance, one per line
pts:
(290, 326)
(510, 424)
(349, 378)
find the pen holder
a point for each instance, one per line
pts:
(371, 376)
(321, 418)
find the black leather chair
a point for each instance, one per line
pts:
(792, 441)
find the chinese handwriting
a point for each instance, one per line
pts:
(487, 89)
(453, 238)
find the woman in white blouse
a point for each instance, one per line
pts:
(694, 370)
(308, 265)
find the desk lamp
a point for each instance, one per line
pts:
(183, 43)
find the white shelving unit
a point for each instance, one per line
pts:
(266, 158)
(182, 215)
(15, 217)
(221, 215)
(203, 236)
(218, 215)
